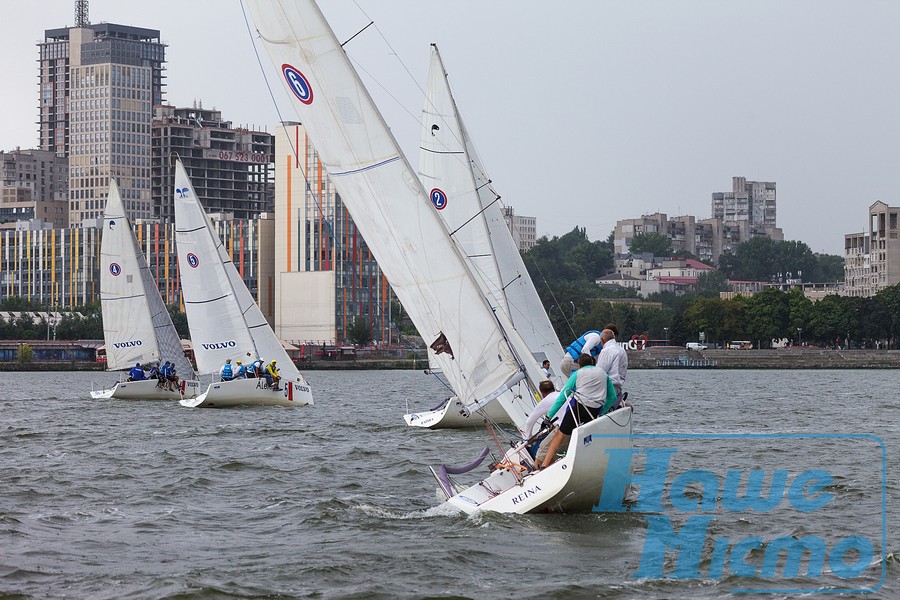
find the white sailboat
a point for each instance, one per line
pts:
(468, 206)
(224, 320)
(137, 327)
(489, 360)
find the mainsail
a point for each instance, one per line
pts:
(389, 205)
(450, 167)
(137, 327)
(224, 319)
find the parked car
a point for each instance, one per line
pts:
(695, 346)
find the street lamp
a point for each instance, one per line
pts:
(799, 336)
(666, 329)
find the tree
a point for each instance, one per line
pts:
(767, 316)
(25, 354)
(651, 243)
(359, 332)
(179, 320)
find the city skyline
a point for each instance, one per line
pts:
(651, 107)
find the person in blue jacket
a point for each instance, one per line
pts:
(241, 371)
(227, 372)
(589, 343)
(137, 373)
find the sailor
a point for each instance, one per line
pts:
(226, 373)
(154, 371)
(613, 359)
(588, 343)
(538, 413)
(163, 375)
(272, 375)
(588, 394)
(241, 370)
(172, 377)
(136, 373)
(257, 368)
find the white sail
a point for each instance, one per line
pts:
(389, 205)
(137, 327)
(472, 213)
(224, 319)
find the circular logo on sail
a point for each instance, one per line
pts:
(193, 261)
(298, 83)
(115, 269)
(439, 199)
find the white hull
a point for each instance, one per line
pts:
(571, 484)
(251, 392)
(147, 390)
(448, 416)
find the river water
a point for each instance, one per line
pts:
(115, 499)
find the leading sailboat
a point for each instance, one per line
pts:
(489, 360)
(137, 327)
(468, 206)
(225, 321)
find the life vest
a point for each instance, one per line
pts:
(272, 370)
(575, 347)
(227, 374)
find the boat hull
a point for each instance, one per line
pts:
(571, 484)
(448, 416)
(251, 392)
(147, 390)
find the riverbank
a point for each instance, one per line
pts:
(779, 358)
(658, 357)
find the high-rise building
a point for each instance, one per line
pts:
(229, 167)
(325, 275)
(752, 201)
(872, 258)
(33, 186)
(523, 229)
(98, 86)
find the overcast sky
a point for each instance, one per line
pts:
(584, 111)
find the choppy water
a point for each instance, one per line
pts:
(111, 499)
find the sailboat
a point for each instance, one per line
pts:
(225, 321)
(488, 359)
(137, 327)
(461, 191)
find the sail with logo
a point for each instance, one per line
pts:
(427, 269)
(470, 209)
(137, 328)
(224, 319)
(483, 357)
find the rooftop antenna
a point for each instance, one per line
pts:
(81, 13)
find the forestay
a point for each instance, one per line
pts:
(136, 324)
(449, 166)
(224, 319)
(387, 201)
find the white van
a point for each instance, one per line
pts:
(695, 346)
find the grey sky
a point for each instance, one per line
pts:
(584, 112)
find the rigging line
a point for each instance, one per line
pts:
(405, 68)
(552, 294)
(315, 198)
(357, 33)
(475, 216)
